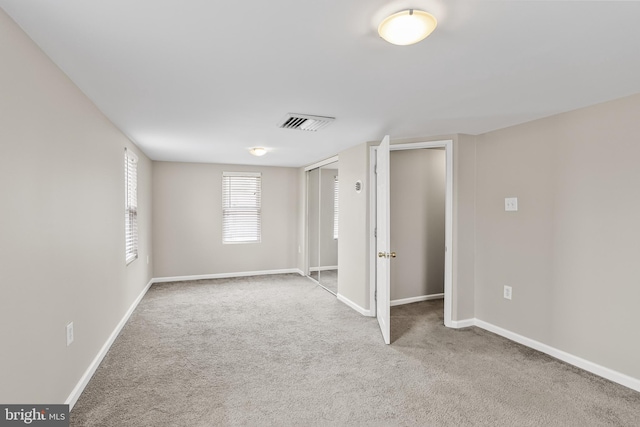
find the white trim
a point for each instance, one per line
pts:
(464, 323)
(226, 275)
(416, 145)
(594, 368)
(252, 174)
(353, 305)
(447, 144)
(416, 299)
(86, 377)
(448, 254)
(321, 163)
(305, 255)
(325, 268)
(373, 196)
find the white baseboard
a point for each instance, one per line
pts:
(465, 323)
(353, 305)
(86, 377)
(416, 299)
(226, 275)
(325, 268)
(594, 368)
(84, 380)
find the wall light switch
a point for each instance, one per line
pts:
(507, 292)
(511, 204)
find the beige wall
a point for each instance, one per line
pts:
(353, 244)
(417, 192)
(187, 215)
(571, 251)
(464, 234)
(61, 226)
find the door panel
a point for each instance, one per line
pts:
(383, 274)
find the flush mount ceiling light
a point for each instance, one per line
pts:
(407, 27)
(258, 151)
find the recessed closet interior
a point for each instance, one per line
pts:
(417, 197)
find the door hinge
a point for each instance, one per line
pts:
(375, 169)
(375, 295)
(375, 232)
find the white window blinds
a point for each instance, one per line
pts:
(131, 205)
(241, 207)
(335, 207)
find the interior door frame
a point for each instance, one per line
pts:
(447, 144)
(308, 168)
(383, 238)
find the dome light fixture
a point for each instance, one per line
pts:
(407, 27)
(258, 151)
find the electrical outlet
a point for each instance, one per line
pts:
(147, 259)
(507, 292)
(69, 333)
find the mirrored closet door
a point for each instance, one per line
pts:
(323, 228)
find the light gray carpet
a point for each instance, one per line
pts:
(327, 279)
(278, 350)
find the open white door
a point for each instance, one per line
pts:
(383, 273)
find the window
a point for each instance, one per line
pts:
(241, 207)
(335, 207)
(131, 205)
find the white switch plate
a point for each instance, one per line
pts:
(507, 292)
(511, 204)
(69, 333)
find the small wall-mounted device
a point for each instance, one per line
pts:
(511, 204)
(358, 186)
(69, 333)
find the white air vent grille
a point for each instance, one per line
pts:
(304, 122)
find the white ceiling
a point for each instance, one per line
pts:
(205, 80)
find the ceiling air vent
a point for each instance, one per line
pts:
(304, 122)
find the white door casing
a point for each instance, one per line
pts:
(375, 207)
(383, 267)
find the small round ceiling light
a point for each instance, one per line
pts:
(258, 151)
(407, 27)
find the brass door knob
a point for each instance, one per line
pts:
(386, 255)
